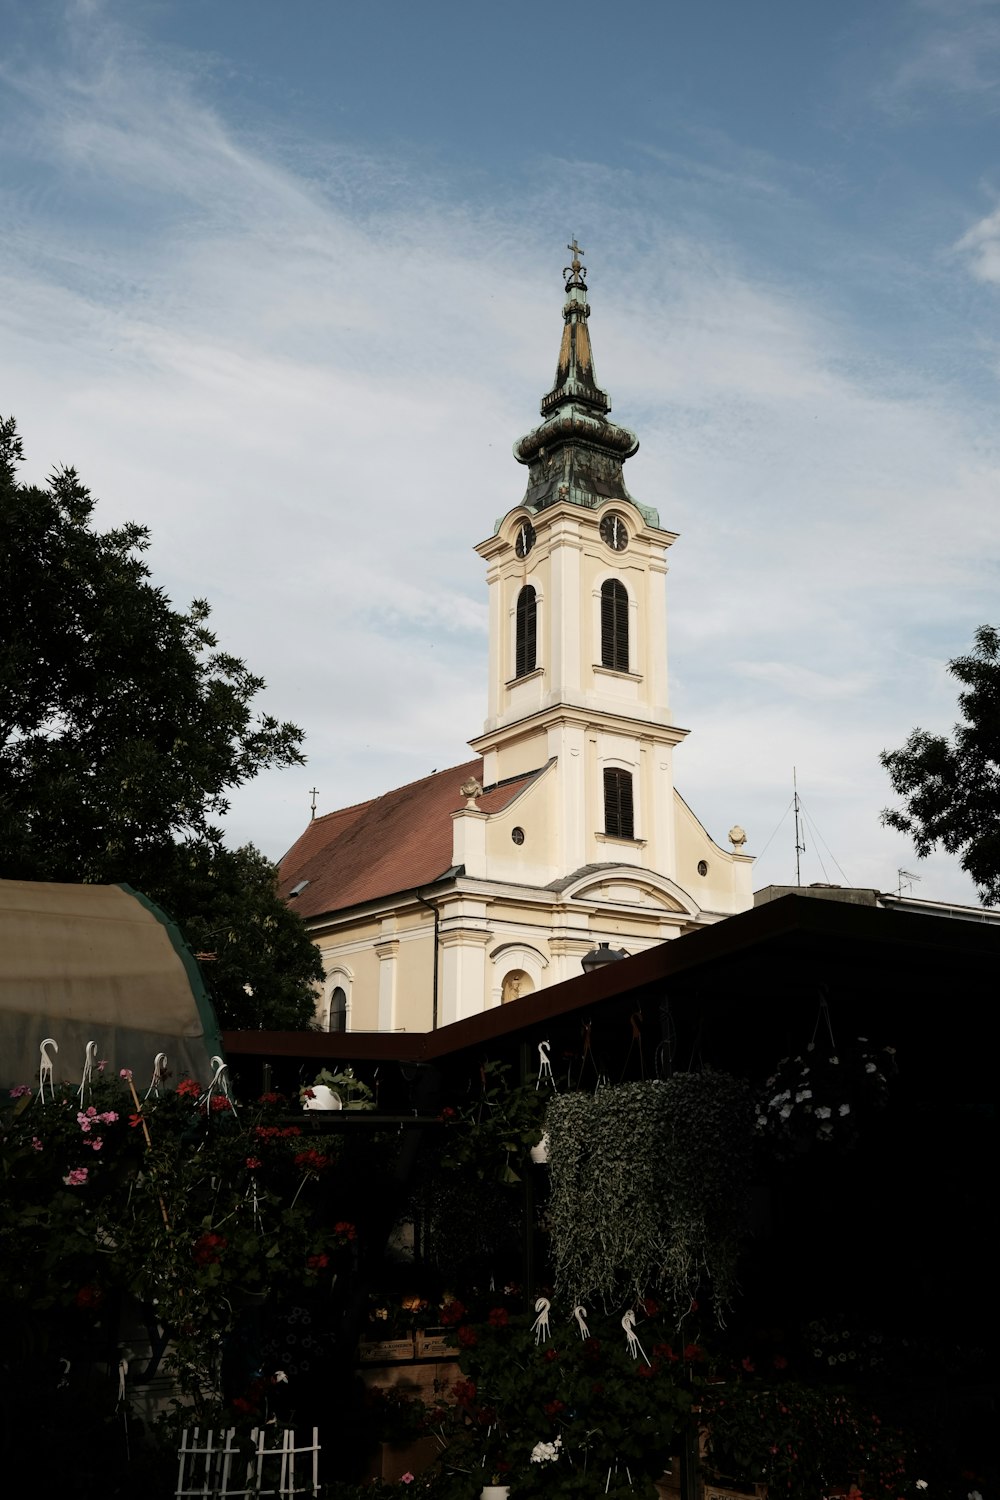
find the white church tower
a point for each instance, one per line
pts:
(494, 878)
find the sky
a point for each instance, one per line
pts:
(283, 281)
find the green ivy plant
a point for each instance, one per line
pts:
(648, 1185)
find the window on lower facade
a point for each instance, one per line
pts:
(618, 819)
(525, 653)
(614, 625)
(338, 1010)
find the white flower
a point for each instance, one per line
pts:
(803, 1094)
(546, 1453)
(785, 1112)
(835, 1060)
(845, 1109)
(822, 1113)
(869, 1067)
(921, 1484)
(973, 1494)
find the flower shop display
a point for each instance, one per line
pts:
(545, 1411)
(190, 1203)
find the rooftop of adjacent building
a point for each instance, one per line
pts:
(888, 901)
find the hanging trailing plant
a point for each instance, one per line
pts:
(707, 1166)
(648, 1189)
(607, 1192)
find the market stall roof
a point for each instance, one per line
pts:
(726, 985)
(100, 963)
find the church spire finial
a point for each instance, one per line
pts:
(575, 378)
(573, 275)
(576, 454)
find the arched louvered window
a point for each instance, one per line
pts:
(525, 653)
(338, 1010)
(614, 625)
(618, 819)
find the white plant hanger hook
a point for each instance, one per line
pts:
(159, 1077)
(87, 1080)
(45, 1068)
(634, 1346)
(220, 1081)
(580, 1314)
(544, 1066)
(540, 1327)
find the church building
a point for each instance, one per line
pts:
(492, 879)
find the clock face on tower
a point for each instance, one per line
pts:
(525, 539)
(614, 532)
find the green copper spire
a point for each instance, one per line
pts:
(577, 454)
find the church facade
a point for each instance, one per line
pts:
(494, 878)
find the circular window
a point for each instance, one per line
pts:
(702, 867)
(517, 834)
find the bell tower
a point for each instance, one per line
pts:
(578, 627)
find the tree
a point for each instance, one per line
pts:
(952, 787)
(122, 730)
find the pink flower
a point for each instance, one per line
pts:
(102, 1065)
(76, 1178)
(108, 1118)
(36, 1144)
(20, 1091)
(406, 1478)
(125, 1073)
(96, 1143)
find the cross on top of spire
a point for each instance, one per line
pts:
(573, 274)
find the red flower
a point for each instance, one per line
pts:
(188, 1088)
(693, 1352)
(270, 1098)
(665, 1351)
(747, 1364)
(499, 1317)
(312, 1160)
(447, 1113)
(592, 1349)
(650, 1308)
(554, 1408)
(208, 1248)
(464, 1392)
(135, 1119)
(253, 1162)
(453, 1312)
(218, 1103)
(467, 1336)
(780, 1362)
(345, 1230)
(646, 1372)
(89, 1296)
(550, 1355)
(318, 1262)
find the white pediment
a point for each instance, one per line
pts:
(632, 889)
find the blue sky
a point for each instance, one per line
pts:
(283, 282)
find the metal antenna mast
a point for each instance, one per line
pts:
(800, 847)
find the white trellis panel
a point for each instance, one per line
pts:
(214, 1466)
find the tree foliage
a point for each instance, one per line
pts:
(951, 787)
(122, 731)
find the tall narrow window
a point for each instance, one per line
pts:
(618, 821)
(338, 1010)
(614, 625)
(525, 653)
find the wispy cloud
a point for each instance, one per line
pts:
(304, 368)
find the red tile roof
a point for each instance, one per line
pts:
(393, 843)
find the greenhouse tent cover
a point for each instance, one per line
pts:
(101, 963)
